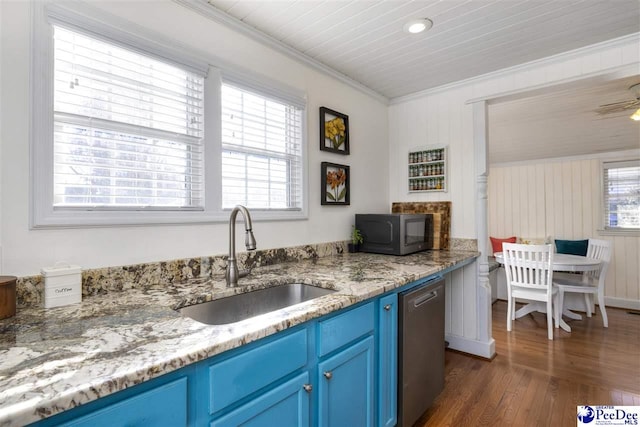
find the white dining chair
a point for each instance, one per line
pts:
(590, 283)
(529, 271)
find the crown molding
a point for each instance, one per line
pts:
(215, 14)
(574, 82)
(604, 156)
(549, 60)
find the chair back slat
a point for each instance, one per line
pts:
(528, 266)
(599, 249)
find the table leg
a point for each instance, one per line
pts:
(530, 308)
(537, 306)
(571, 315)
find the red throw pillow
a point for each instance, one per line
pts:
(497, 243)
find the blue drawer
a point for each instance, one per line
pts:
(248, 372)
(165, 405)
(344, 328)
(284, 405)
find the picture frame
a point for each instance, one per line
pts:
(335, 188)
(334, 131)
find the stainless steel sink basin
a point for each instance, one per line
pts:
(243, 306)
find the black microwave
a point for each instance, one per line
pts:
(395, 234)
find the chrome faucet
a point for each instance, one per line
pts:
(233, 274)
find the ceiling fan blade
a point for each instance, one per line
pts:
(618, 107)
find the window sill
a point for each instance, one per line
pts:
(626, 232)
(90, 219)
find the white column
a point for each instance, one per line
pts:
(483, 294)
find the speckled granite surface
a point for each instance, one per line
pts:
(463, 244)
(54, 360)
(99, 281)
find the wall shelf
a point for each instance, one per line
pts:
(427, 169)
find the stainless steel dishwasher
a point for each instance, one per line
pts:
(421, 349)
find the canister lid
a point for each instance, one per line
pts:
(7, 280)
(60, 269)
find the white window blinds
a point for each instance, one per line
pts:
(622, 194)
(262, 156)
(128, 128)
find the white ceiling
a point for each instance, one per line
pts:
(363, 39)
(563, 123)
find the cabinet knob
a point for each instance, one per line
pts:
(328, 375)
(307, 388)
(387, 307)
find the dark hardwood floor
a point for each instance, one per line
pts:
(537, 382)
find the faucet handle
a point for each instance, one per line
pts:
(244, 273)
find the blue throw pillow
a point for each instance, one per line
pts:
(573, 247)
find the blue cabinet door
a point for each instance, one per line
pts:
(286, 405)
(162, 406)
(345, 387)
(387, 399)
(239, 376)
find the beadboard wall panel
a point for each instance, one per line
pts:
(562, 199)
(461, 325)
(445, 116)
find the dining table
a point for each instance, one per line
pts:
(561, 263)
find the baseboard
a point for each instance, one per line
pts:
(484, 350)
(630, 304)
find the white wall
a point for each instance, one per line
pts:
(25, 251)
(443, 116)
(438, 119)
(1, 62)
(562, 198)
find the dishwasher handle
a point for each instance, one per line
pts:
(423, 299)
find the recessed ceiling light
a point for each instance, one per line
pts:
(416, 26)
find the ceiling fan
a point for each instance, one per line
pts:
(620, 106)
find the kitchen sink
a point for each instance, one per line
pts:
(250, 304)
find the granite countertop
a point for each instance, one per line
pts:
(56, 359)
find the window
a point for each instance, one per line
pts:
(128, 129)
(621, 195)
(262, 157)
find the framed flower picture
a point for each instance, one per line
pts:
(335, 184)
(334, 131)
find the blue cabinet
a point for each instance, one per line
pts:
(345, 387)
(345, 327)
(339, 370)
(165, 405)
(387, 351)
(346, 368)
(285, 405)
(161, 402)
(232, 379)
(254, 387)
